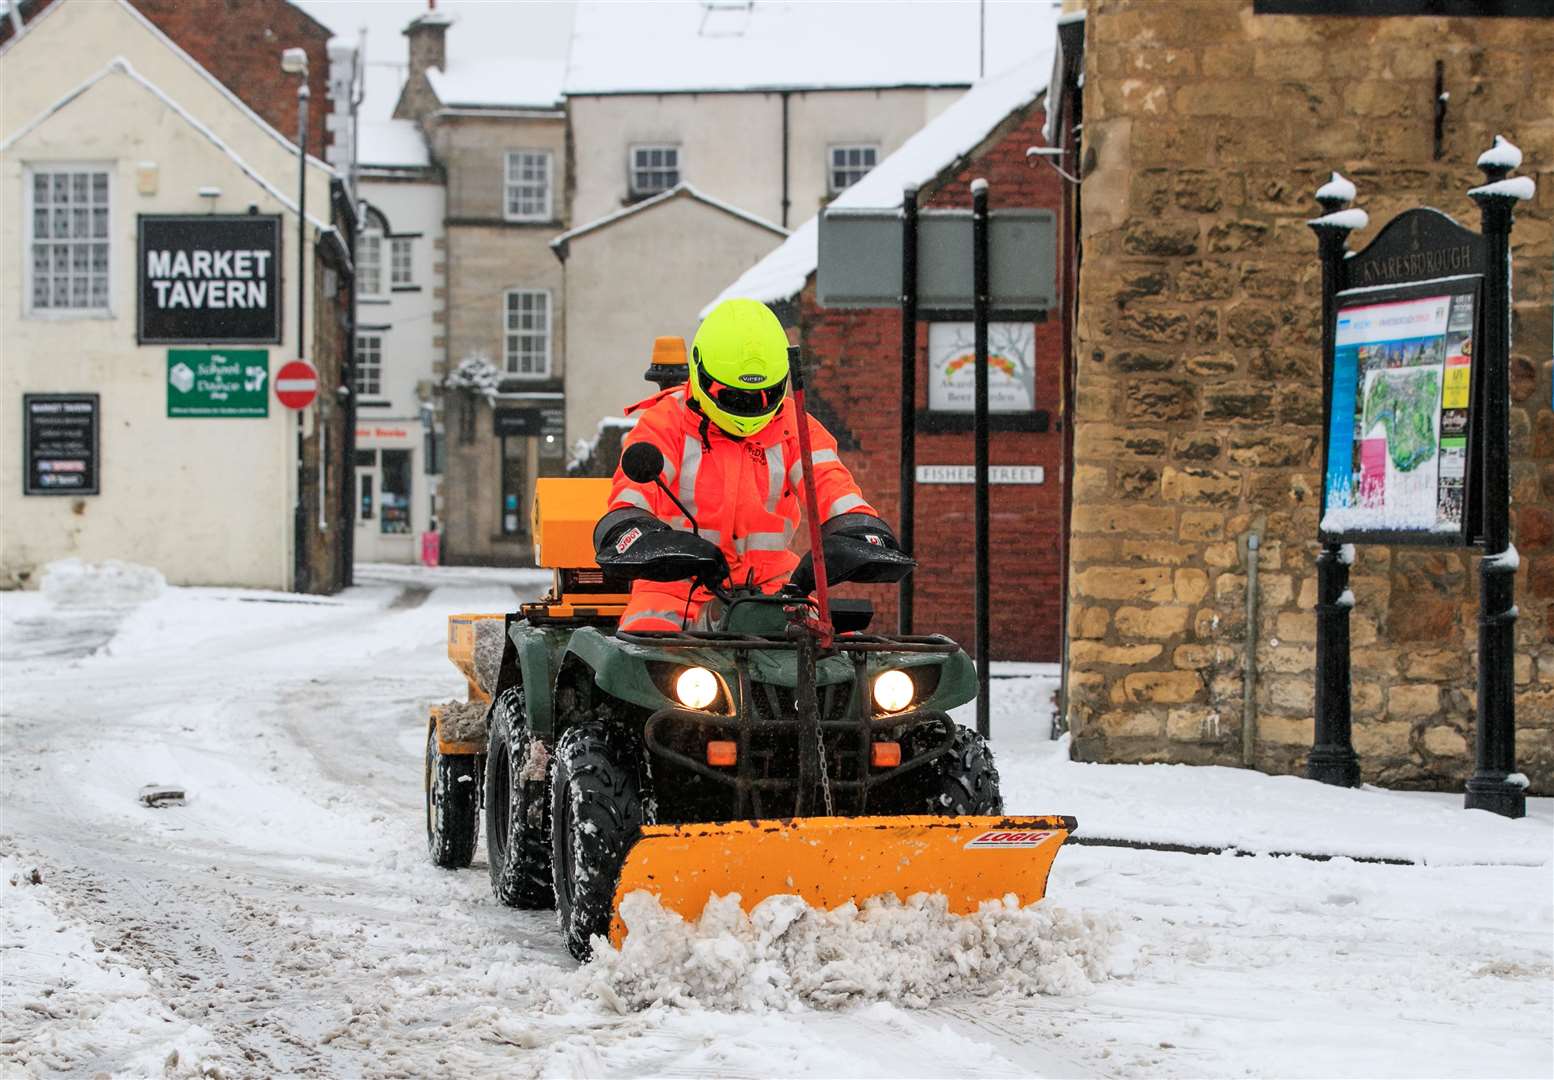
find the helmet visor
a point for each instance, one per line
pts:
(742, 400)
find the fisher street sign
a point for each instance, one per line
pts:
(209, 278)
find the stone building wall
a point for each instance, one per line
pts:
(1207, 130)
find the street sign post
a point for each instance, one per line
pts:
(296, 384)
(943, 265)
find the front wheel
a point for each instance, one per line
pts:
(596, 815)
(517, 834)
(452, 805)
(963, 781)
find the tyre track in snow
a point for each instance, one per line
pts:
(235, 926)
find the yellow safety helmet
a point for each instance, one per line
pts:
(739, 366)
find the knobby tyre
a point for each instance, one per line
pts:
(452, 805)
(961, 782)
(517, 822)
(596, 816)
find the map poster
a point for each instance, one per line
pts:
(1011, 367)
(1397, 445)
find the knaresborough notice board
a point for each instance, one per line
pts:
(1400, 432)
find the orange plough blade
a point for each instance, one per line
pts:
(829, 860)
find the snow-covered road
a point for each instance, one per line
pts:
(285, 921)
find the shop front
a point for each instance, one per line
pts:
(394, 496)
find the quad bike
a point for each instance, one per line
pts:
(773, 747)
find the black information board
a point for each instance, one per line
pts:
(209, 278)
(59, 441)
(1400, 445)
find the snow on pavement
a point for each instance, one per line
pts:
(286, 922)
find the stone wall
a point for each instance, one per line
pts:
(1207, 129)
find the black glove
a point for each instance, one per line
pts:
(865, 527)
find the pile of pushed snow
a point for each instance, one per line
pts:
(71, 583)
(784, 954)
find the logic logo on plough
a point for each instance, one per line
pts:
(1003, 839)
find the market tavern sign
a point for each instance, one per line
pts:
(221, 383)
(60, 440)
(209, 278)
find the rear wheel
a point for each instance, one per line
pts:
(517, 826)
(596, 815)
(452, 805)
(960, 782)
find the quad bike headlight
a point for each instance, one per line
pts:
(893, 691)
(696, 687)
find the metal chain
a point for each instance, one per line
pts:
(825, 778)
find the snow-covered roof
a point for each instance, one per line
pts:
(689, 45)
(953, 133)
(391, 143)
(519, 83)
(681, 190)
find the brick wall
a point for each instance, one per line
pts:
(240, 42)
(856, 361)
(1207, 130)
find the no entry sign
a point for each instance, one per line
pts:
(296, 384)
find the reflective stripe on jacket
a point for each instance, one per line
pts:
(746, 494)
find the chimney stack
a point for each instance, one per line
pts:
(428, 33)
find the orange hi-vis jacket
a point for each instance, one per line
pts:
(746, 495)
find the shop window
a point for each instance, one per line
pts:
(527, 337)
(68, 238)
(528, 185)
(654, 169)
(394, 495)
(369, 365)
(849, 164)
(515, 471)
(364, 496)
(401, 261)
(369, 263)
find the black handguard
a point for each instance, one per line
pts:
(865, 527)
(611, 532)
(639, 547)
(859, 548)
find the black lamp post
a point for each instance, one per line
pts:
(295, 62)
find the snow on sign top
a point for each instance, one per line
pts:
(519, 83)
(955, 132)
(691, 45)
(391, 143)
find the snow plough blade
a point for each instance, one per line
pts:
(830, 860)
